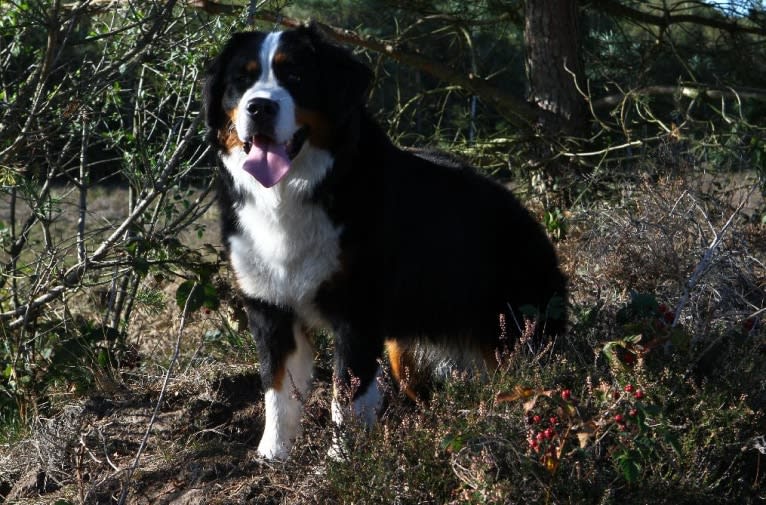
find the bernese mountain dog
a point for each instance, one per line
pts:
(328, 225)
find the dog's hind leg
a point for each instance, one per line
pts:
(357, 391)
(286, 359)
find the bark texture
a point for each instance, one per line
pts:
(552, 39)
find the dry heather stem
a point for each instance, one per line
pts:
(704, 263)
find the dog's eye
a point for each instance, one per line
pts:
(242, 78)
(288, 71)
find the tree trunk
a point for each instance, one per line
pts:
(552, 57)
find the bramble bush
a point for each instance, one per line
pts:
(102, 171)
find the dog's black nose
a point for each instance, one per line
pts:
(262, 108)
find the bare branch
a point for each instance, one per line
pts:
(74, 274)
(689, 90)
(165, 381)
(619, 9)
(707, 258)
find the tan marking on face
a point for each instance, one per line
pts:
(280, 57)
(320, 129)
(252, 66)
(232, 113)
(227, 135)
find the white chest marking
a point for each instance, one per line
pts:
(288, 246)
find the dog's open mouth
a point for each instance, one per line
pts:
(269, 161)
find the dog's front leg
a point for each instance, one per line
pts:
(286, 359)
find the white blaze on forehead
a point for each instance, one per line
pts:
(267, 86)
(266, 56)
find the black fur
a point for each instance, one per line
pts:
(431, 250)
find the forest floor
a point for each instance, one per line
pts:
(697, 437)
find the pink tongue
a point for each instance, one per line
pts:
(267, 162)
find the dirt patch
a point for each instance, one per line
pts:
(200, 450)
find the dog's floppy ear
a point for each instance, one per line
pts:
(211, 98)
(345, 79)
(212, 93)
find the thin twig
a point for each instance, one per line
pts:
(165, 380)
(600, 152)
(82, 185)
(75, 274)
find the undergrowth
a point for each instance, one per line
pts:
(568, 424)
(655, 395)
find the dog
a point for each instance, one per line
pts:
(329, 225)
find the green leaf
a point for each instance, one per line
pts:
(103, 358)
(529, 311)
(188, 290)
(672, 441)
(141, 266)
(453, 443)
(210, 298)
(556, 308)
(203, 294)
(629, 467)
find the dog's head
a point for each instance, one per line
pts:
(267, 94)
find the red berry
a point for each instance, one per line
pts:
(566, 395)
(618, 418)
(638, 394)
(553, 421)
(540, 436)
(536, 419)
(669, 316)
(633, 412)
(532, 443)
(628, 358)
(549, 433)
(662, 308)
(629, 388)
(615, 395)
